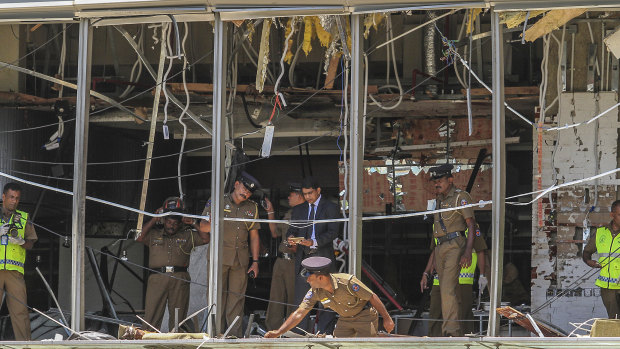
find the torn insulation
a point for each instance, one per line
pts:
(263, 56)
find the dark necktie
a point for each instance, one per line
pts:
(311, 217)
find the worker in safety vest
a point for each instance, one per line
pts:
(16, 236)
(606, 243)
(466, 281)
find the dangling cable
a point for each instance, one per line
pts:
(184, 75)
(63, 55)
(137, 64)
(165, 40)
(393, 55)
(277, 85)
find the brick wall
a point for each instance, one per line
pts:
(557, 237)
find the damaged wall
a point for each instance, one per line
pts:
(423, 143)
(558, 221)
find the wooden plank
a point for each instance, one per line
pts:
(552, 21)
(152, 129)
(514, 90)
(331, 72)
(521, 320)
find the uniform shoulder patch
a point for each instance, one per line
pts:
(309, 295)
(464, 202)
(355, 287)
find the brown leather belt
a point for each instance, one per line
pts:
(448, 237)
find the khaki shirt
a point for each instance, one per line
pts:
(236, 234)
(29, 232)
(349, 297)
(171, 250)
(281, 229)
(591, 245)
(453, 220)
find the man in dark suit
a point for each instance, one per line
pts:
(317, 242)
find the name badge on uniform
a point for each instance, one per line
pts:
(4, 240)
(431, 205)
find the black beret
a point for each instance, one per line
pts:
(444, 170)
(248, 181)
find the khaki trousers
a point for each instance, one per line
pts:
(364, 324)
(235, 282)
(465, 310)
(447, 258)
(611, 301)
(162, 289)
(13, 283)
(282, 291)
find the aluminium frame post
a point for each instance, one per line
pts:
(356, 155)
(499, 173)
(220, 47)
(78, 219)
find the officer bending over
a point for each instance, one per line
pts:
(343, 293)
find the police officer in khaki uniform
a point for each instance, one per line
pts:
(356, 304)
(283, 277)
(16, 236)
(169, 252)
(453, 249)
(236, 254)
(466, 280)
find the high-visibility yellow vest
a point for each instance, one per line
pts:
(466, 275)
(12, 257)
(608, 249)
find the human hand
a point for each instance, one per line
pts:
(188, 220)
(424, 282)
(593, 264)
(253, 268)
(466, 259)
(388, 324)
(159, 219)
(4, 229)
(268, 205)
(16, 240)
(272, 334)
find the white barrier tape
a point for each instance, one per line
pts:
(302, 223)
(555, 187)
